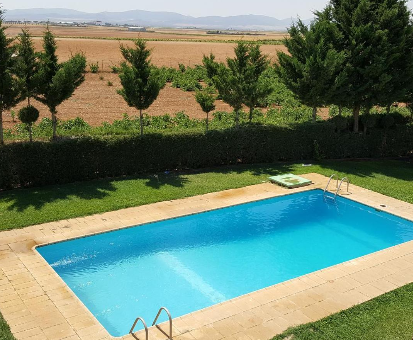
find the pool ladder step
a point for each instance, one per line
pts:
(338, 187)
(154, 324)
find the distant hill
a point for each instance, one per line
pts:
(152, 19)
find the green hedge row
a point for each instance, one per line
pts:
(43, 163)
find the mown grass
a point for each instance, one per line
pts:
(5, 333)
(24, 207)
(387, 317)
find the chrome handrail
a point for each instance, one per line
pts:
(344, 179)
(144, 324)
(328, 183)
(170, 320)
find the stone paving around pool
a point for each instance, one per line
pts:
(37, 304)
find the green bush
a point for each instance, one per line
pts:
(94, 67)
(74, 124)
(115, 69)
(184, 78)
(28, 115)
(81, 159)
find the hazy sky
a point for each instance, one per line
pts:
(276, 8)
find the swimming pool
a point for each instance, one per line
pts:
(196, 261)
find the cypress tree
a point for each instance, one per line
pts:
(27, 66)
(141, 81)
(313, 64)
(240, 82)
(9, 89)
(58, 81)
(377, 41)
(206, 99)
(255, 90)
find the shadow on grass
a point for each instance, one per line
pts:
(174, 179)
(23, 199)
(397, 169)
(270, 169)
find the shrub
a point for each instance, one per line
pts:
(340, 122)
(13, 116)
(29, 115)
(89, 158)
(94, 67)
(110, 83)
(368, 121)
(387, 121)
(74, 124)
(115, 69)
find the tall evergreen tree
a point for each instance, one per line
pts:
(58, 81)
(255, 90)
(27, 66)
(377, 40)
(206, 99)
(229, 85)
(239, 82)
(141, 81)
(313, 64)
(210, 65)
(9, 89)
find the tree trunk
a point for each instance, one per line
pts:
(1, 128)
(141, 121)
(30, 133)
(251, 112)
(340, 110)
(207, 121)
(356, 114)
(54, 124)
(314, 114)
(365, 122)
(28, 101)
(388, 107)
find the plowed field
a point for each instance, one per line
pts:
(96, 102)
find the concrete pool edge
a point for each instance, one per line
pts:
(38, 305)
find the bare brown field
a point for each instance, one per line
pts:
(96, 102)
(122, 33)
(164, 53)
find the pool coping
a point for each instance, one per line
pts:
(37, 304)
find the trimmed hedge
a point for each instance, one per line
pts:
(43, 163)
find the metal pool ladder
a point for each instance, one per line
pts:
(154, 323)
(170, 321)
(338, 187)
(144, 325)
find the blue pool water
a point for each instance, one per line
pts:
(196, 261)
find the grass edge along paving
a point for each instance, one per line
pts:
(5, 333)
(387, 317)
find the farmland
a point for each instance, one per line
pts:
(96, 102)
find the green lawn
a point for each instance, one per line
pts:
(388, 317)
(20, 208)
(5, 333)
